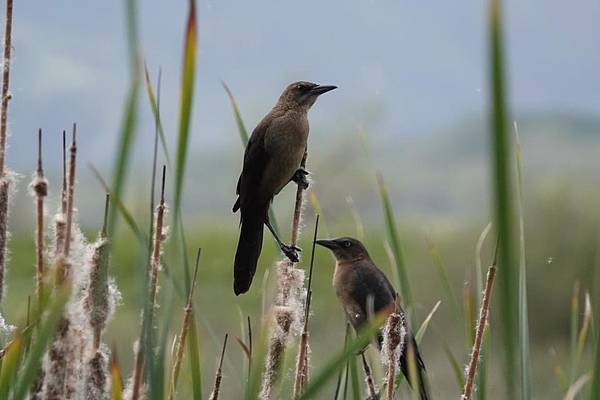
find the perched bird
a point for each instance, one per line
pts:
(272, 159)
(363, 288)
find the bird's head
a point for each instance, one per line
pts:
(303, 94)
(345, 249)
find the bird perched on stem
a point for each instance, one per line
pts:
(363, 289)
(272, 159)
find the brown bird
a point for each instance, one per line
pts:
(363, 288)
(272, 159)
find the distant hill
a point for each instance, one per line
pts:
(438, 176)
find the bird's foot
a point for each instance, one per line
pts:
(291, 252)
(300, 178)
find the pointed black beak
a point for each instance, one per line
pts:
(330, 244)
(320, 89)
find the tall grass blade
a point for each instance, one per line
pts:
(10, 365)
(129, 121)
(194, 357)
(356, 392)
(185, 106)
(339, 361)
(423, 328)
(116, 381)
(440, 268)
(43, 336)
(456, 368)
(155, 106)
(523, 314)
(503, 204)
(394, 242)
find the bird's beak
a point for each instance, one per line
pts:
(320, 89)
(330, 244)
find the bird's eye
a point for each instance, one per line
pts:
(347, 243)
(300, 86)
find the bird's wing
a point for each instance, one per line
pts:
(255, 160)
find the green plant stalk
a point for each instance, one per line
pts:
(129, 121)
(443, 275)
(523, 312)
(339, 361)
(10, 365)
(194, 357)
(155, 107)
(356, 392)
(504, 215)
(44, 335)
(185, 107)
(394, 242)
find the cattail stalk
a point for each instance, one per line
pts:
(59, 220)
(301, 367)
(219, 375)
(96, 385)
(40, 189)
(298, 208)
(185, 326)
(4, 182)
(302, 362)
(280, 330)
(284, 312)
(97, 300)
(480, 329)
(56, 376)
(393, 341)
(154, 267)
(62, 263)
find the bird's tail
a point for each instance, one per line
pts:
(248, 250)
(420, 369)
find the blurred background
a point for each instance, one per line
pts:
(411, 102)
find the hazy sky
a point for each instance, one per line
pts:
(403, 67)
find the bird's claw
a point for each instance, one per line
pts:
(300, 178)
(291, 252)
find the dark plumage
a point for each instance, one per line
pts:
(272, 159)
(360, 285)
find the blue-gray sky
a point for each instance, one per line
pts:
(403, 67)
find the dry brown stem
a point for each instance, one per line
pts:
(62, 262)
(369, 377)
(298, 208)
(4, 182)
(5, 83)
(480, 329)
(40, 189)
(219, 375)
(185, 325)
(154, 267)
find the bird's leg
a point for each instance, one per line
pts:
(299, 178)
(290, 252)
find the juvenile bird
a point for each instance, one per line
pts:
(363, 288)
(272, 159)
